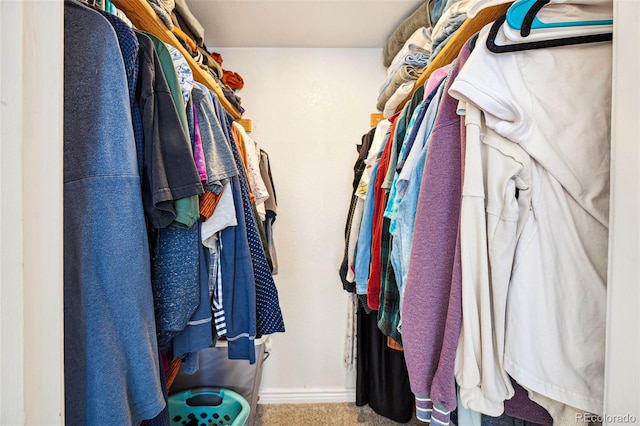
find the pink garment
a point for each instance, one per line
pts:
(198, 152)
(435, 78)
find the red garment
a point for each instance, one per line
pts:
(392, 344)
(208, 203)
(380, 196)
(233, 80)
(216, 56)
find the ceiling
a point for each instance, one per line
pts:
(300, 23)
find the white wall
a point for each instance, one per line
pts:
(622, 376)
(31, 344)
(309, 108)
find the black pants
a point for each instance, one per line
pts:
(382, 378)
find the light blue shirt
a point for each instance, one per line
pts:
(392, 200)
(402, 222)
(362, 259)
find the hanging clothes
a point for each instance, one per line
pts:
(197, 333)
(381, 381)
(505, 204)
(388, 312)
(408, 179)
(268, 314)
(109, 328)
(175, 248)
(355, 211)
(218, 156)
(238, 278)
(147, 290)
(559, 218)
(271, 210)
(431, 311)
(187, 207)
(379, 201)
(129, 47)
(168, 172)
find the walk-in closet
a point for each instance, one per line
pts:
(378, 212)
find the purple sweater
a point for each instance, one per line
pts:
(432, 306)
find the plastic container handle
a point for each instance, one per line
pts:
(202, 397)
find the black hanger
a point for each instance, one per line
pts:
(526, 30)
(528, 18)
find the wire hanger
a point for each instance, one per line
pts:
(528, 22)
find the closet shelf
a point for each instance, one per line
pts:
(453, 46)
(145, 19)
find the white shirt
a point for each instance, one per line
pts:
(554, 104)
(491, 219)
(256, 183)
(223, 216)
(376, 145)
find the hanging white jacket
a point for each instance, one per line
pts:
(491, 220)
(555, 104)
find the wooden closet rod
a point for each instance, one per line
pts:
(247, 124)
(459, 38)
(144, 18)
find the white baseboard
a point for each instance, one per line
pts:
(306, 396)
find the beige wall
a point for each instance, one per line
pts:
(309, 108)
(314, 306)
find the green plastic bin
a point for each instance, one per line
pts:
(208, 406)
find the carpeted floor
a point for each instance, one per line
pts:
(343, 414)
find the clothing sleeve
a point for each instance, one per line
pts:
(426, 301)
(379, 139)
(362, 261)
(223, 216)
(198, 149)
(265, 171)
(353, 238)
(491, 215)
(444, 388)
(238, 283)
(256, 183)
(218, 155)
(169, 170)
(487, 80)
